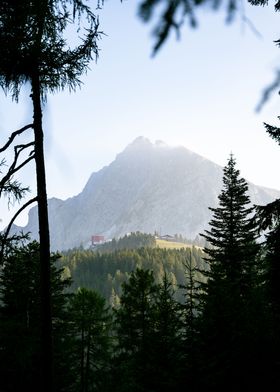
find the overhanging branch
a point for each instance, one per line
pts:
(13, 135)
(8, 229)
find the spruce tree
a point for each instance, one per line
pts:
(232, 234)
(166, 351)
(89, 335)
(228, 295)
(135, 321)
(268, 220)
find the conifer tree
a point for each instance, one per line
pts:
(34, 50)
(134, 326)
(166, 348)
(268, 220)
(89, 327)
(232, 234)
(231, 281)
(20, 319)
(190, 311)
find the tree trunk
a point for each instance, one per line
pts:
(46, 318)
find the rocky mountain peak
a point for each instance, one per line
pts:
(148, 187)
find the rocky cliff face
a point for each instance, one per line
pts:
(147, 187)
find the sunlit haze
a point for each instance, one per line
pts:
(199, 92)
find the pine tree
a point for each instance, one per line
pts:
(228, 295)
(135, 320)
(190, 311)
(166, 349)
(89, 331)
(34, 49)
(232, 236)
(268, 220)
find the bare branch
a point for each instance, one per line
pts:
(24, 163)
(7, 231)
(13, 135)
(18, 149)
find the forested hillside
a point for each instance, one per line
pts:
(151, 319)
(106, 272)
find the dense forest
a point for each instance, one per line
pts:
(151, 319)
(106, 272)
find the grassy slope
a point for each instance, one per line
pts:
(171, 245)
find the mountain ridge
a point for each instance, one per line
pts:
(148, 187)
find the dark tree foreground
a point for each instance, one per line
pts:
(34, 50)
(230, 298)
(20, 320)
(89, 328)
(232, 235)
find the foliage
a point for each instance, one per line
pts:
(33, 35)
(34, 49)
(106, 272)
(230, 296)
(20, 317)
(171, 15)
(148, 325)
(89, 326)
(167, 340)
(233, 233)
(268, 220)
(134, 325)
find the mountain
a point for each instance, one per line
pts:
(148, 187)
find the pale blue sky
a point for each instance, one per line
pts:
(199, 92)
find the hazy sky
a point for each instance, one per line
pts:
(200, 92)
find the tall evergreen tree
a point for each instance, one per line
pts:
(89, 323)
(166, 350)
(232, 235)
(231, 281)
(190, 311)
(34, 49)
(268, 220)
(134, 326)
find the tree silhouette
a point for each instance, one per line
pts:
(233, 233)
(89, 326)
(166, 350)
(14, 192)
(268, 221)
(134, 326)
(20, 318)
(231, 282)
(34, 50)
